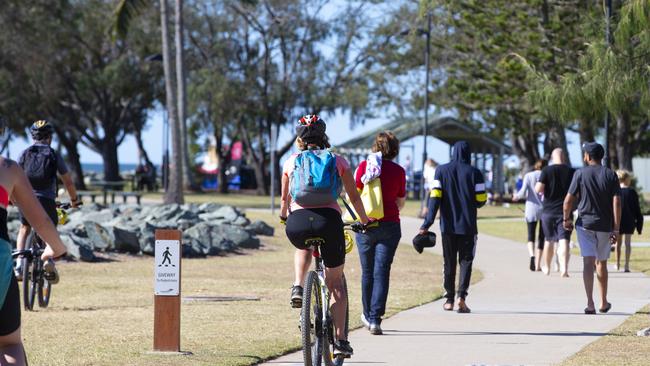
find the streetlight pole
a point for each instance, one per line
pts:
(608, 40)
(426, 105)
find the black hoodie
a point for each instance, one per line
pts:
(458, 190)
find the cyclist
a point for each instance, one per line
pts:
(14, 184)
(314, 176)
(41, 165)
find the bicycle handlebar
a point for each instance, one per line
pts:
(67, 205)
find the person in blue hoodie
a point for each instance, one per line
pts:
(458, 191)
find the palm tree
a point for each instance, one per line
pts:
(125, 11)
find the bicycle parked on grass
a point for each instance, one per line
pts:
(34, 277)
(316, 323)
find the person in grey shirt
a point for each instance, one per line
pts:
(533, 214)
(599, 218)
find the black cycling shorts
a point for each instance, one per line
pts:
(49, 205)
(322, 223)
(10, 311)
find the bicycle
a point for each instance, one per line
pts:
(34, 280)
(316, 323)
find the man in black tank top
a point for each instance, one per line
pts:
(554, 183)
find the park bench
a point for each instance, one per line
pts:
(125, 195)
(92, 194)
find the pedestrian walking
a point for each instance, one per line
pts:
(533, 214)
(554, 182)
(631, 218)
(458, 191)
(377, 245)
(429, 175)
(599, 217)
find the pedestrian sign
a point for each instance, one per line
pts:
(167, 267)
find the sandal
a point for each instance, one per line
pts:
(590, 311)
(606, 308)
(448, 306)
(463, 309)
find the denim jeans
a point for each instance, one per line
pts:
(376, 251)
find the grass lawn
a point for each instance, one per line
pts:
(233, 199)
(102, 313)
(621, 345)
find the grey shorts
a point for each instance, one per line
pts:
(593, 243)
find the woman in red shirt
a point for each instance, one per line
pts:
(378, 245)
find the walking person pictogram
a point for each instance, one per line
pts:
(166, 258)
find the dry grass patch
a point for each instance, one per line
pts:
(102, 313)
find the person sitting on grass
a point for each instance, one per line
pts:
(631, 218)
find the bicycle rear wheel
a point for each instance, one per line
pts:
(310, 321)
(30, 275)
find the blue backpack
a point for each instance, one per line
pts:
(315, 180)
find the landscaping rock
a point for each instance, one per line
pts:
(228, 213)
(98, 236)
(261, 228)
(239, 236)
(78, 249)
(102, 216)
(241, 221)
(147, 238)
(126, 240)
(208, 207)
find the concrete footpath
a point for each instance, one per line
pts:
(518, 317)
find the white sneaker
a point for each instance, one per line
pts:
(365, 321)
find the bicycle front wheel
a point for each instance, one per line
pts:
(311, 324)
(44, 292)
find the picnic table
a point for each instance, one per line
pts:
(112, 189)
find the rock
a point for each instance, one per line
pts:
(102, 216)
(98, 236)
(147, 238)
(224, 245)
(228, 213)
(208, 207)
(241, 221)
(126, 240)
(78, 249)
(261, 228)
(239, 236)
(13, 213)
(186, 215)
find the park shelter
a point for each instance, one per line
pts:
(447, 129)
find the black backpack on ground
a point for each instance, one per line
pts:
(39, 164)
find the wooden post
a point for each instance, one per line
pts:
(167, 298)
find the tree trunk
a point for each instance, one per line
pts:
(111, 163)
(73, 158)
(556, 137)
(174, 193)
(223, 160)
(188, 179)
(141, 150)
(623, 143)
(525, 147)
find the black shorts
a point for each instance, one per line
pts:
(531, 234)
(10, 311)
(553, 227)
(49, 205)
(322, 223)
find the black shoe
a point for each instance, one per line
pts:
(296, 297)
(375, 329)
(343, 348)
(532, 264)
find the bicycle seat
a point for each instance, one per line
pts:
(314, 242)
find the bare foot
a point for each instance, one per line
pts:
(565, 274)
